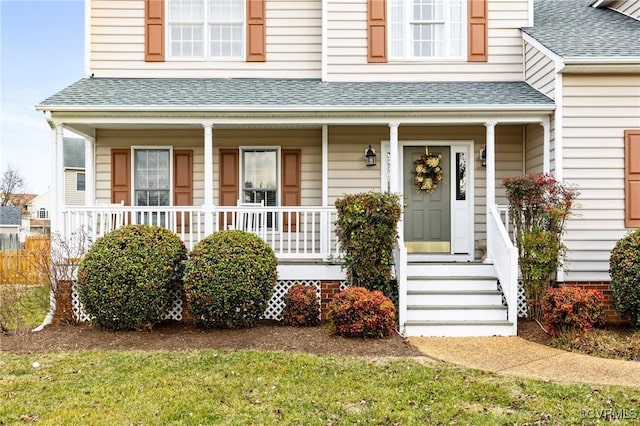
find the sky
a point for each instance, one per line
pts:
(41, 53)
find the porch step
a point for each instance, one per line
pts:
(459, 328)
(456, 313)
(435, 283)
(448, 269)
(454, 296)
(454, 299)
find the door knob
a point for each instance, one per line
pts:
(406, 205)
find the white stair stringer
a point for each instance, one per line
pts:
(454, 299)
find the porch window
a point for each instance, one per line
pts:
(260, 178)
(152, 183)
(206, 29)
(80, 181)
(421, 29)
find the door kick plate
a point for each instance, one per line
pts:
(428, 246)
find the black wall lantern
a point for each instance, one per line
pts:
(369, 157)
(483, 156)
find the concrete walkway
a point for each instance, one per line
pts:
(519, 357)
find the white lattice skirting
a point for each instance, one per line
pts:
(273, 311)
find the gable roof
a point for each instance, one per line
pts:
(571, 28)
(73, 153)
(167, 94)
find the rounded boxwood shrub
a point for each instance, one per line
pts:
(358, 312)
(301, 306)
(128, 277)
(229, 279)
(572, 310)
(624, 268)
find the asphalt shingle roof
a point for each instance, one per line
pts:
(571, 28)
(10, 215)
(96, 93)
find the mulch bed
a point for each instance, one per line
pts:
(174, 336)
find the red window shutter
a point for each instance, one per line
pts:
(376, 31)
(154, 30)
(182, 184)
(477, 31)
(121, 176)
(229, 175)
(632, 178)
(291, 175)
(256, 31)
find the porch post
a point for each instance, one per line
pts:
(325, 218)
(490, 177)
(89, 170)
(57, 180)
(546, 151)
(394, 178)
(208, 178)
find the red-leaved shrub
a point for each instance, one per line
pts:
(572, 309)
(301, 306)
(358, 312)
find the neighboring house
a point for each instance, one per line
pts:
(74, 171)
(197, 111)
(37, 217)
(10, 220)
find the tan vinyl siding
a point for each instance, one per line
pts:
(293, 44)
(347, 48)
(72, 197)
(597, 110)
(539, 71)
(534, 148)
(179, 139)
(628, 7)
(348, 174)
(309, 141)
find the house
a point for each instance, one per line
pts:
(10, 218)
(198, 114)
(36, 220)
(74, 172)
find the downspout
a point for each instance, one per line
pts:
(558, 136)
(54, 213)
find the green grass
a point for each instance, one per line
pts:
(273, 388)
(23, 306)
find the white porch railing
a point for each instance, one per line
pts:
(292, 232)
(505, 260)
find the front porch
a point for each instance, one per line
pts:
(275, 167)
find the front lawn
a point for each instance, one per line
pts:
(268, 388)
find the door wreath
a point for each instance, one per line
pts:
(427, 172)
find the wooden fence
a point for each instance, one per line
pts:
(26, 266)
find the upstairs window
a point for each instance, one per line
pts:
(42, 213)
(420, 29)
(209, 29)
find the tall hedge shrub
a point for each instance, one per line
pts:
(624, 268)
(367, 231)
(128, 277)
(229, 279)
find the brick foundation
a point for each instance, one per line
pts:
(328, 290)
(64, 308)
(603, 287)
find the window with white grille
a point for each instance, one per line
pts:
(206, 29)
(420, 29)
